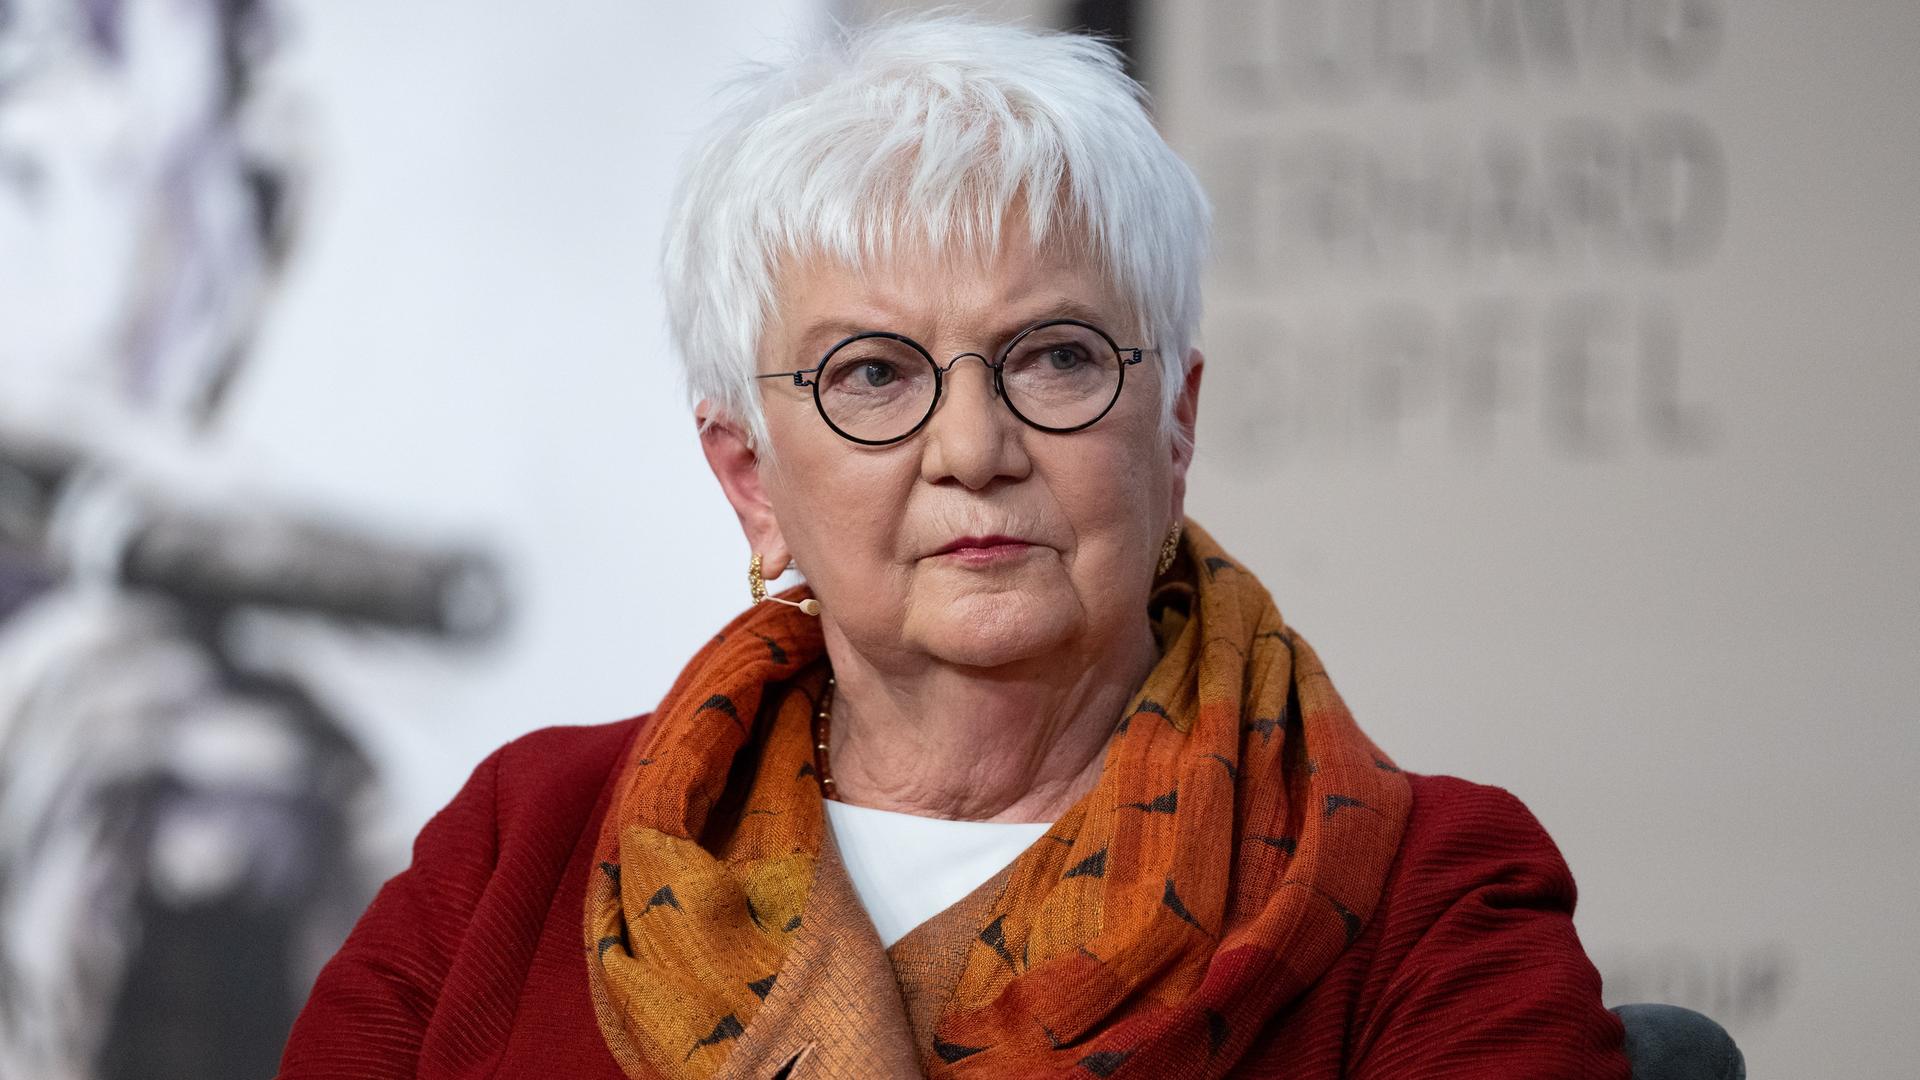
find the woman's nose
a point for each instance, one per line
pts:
(973, 438)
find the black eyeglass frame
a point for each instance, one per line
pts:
(1128, 357)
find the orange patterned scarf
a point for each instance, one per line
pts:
(1133, 940)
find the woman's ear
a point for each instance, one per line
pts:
(735, 462)
(1186, 414)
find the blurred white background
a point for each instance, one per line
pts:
(474, 340)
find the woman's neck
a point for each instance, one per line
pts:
(1021, 743)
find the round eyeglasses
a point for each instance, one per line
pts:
(876, 388)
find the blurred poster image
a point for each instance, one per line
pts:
(181, 823)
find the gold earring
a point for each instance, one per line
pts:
(757, 585)
(1170, 548)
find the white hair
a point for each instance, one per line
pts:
(932, 132)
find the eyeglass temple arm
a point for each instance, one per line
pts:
(799, 377)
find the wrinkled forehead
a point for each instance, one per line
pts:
(978, 288)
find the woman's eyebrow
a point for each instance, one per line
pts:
(828, 330)
(1030, 314)
(1066, 309)
(825, 331)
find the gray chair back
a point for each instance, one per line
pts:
(1667, 1042)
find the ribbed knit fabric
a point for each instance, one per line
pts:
(469, 963)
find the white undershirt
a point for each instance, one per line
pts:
(907, 869)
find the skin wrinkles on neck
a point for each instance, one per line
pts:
(1018, 744)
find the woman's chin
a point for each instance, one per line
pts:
(993, 629)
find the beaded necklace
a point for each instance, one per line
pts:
(822, 728)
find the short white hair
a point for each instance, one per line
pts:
(929, 132)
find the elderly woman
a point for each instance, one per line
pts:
(1027, 779)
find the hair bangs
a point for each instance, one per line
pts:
(927, 138)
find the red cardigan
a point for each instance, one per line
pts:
(469, 963)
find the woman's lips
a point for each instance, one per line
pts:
(983, 550)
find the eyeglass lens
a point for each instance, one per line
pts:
(1057, 376)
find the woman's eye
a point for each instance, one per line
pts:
(873, 373)
(1062, 358)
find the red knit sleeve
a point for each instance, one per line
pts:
(432, 981)
(369, 1009)
(1479, 972)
